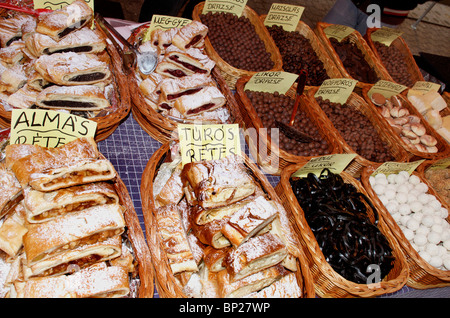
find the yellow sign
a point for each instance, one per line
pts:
(208, 142)
(392, 167)
(426, 87)
(338, 31)
(335, 163)
(164, 22)
(285, 15)
(48, 128)
(228, 6)
(271, 82)
(385, 35)
(55, 5)
(386, 88)
(337, 90)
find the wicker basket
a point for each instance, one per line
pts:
(327, 282)
(230, 73)
(400, 44)
(121, 105)
(272, 159)
(413, 154)
(358, 103)
(359, 41)
(166, 283)
(421, 274)
(137, 239)
(328, 63)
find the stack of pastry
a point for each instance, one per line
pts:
(55, 61)
(181, 86)
(222, 234)
(64, 236)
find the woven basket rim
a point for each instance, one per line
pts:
(328, 275)
(418, 267)
(164, 280)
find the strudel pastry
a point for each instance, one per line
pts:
(23, 98)
(52, 238)
(211, 233)
(217, 183)
(286, 287)
(172, 191)
(59, 23)
(249, 284)
(12, 54)
(256, 254)
(44, 206)
(11, 29)
(163, 38)
(191, 35)
(77, 98)
(12, 231)
(172, 89)
(207, 99)
(213, 258)
(85, 40)
(72, 68)
(174, 240)
(11, 193)
(75, 259)
(13, 78)
(98, 280)
(75, 163)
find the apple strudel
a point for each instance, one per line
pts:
(11, 193)
(12, 231)
(88, 226)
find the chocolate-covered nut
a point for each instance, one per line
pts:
(396, 101)
(432, 149)
(409, 134)
(420, 147)
(384, 111)
(402, 112)
(378, 99)
(397, 128)
(413, 119)
(401, 121)
(428, 140)
(395, 112)
(418, 129)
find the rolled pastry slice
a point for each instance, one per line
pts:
(76, 259)
(59, 23)
(13, 79)
(174, 88)
(163, 39)
(72, 68)
(249, 284)
(286, 287)
(207, 99)
(98, 280)
(211, 233)
(78, 98)
(11, 29)
(252, 219)
(11, 193)
(12, 54)
(172, 191)
(187, 63)
(52, 238)
(256, 254)
(12, 231)
(37, 82)
(191, 35)
(213, 258)
(218, 183)
(174, 239)
(44, 206)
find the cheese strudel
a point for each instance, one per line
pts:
(217, 183)
(72, 68)
(88, 226)
(207, 99)
(59, 23)
(44, 206)
(191, 35)
(78, 98)
(75, 259)
(74, 163)
(98, 280)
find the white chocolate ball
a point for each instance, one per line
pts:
(401, 197)
(413, 224)
(420, 239)
(391, 178)
(447, 263)
(435, 261)
(426, 257)
(428, 221)
(433, 237)
(379, 189)
(413, 179)
(409, 234)
(416, 206)
(432, 249)
(423, 230)
(446, 244)
(404, 209)
(392, 206)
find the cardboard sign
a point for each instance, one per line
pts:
(335, 163)
(386, 88)
(228, 6)
(391, 167)
(285, 15)
(48, 128)
(440, 164)
(338, 31)
(208, 142)
(271, 82)
(425, 87)
(337, 90)
(55, 5)
(385, 35)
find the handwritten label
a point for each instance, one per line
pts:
(163, 22)
(271, 82)
(337, 90)
(55, 5)
(386, 88)
(48, 128)
(228, 6)
(285, 15)
(338, 31)
(440, 164)
(208, 142)
(425, 87)
(385, 35)
(392, 167)
(335, 163)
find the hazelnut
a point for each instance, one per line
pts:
(401, 121)
(413, 119)
(378, 99)
(428, 140)
(396, 101)
(418, 129)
